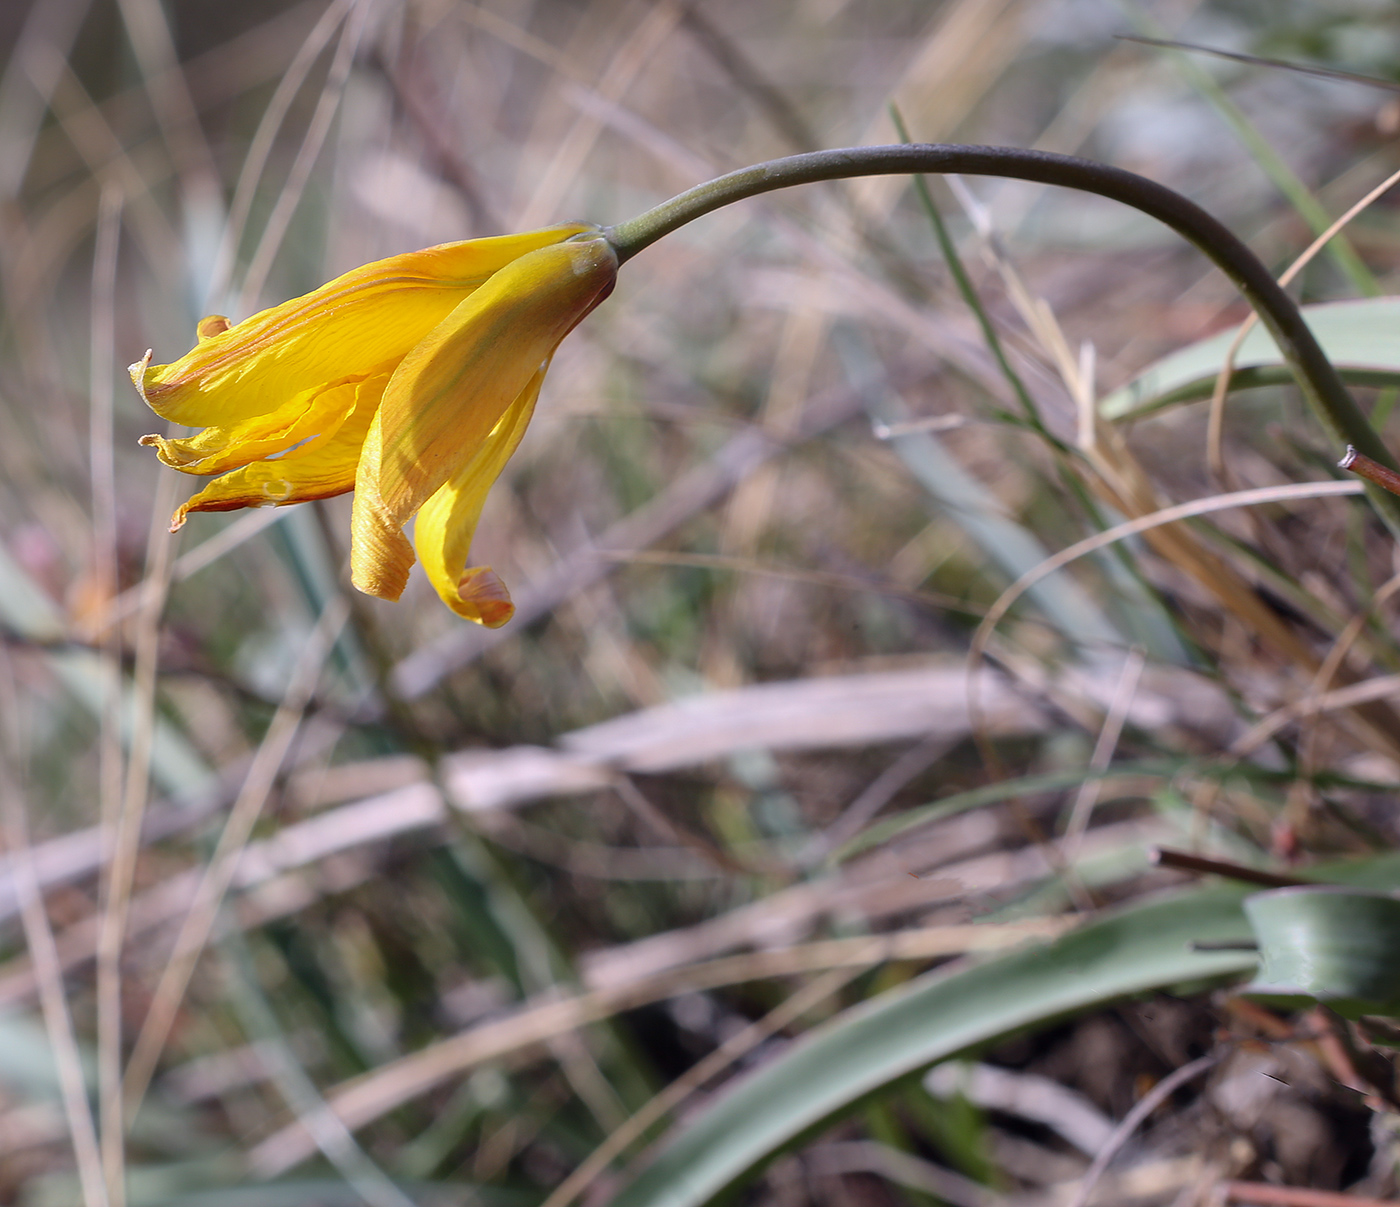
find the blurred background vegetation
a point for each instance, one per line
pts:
(454, 906)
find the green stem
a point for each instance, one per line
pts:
(1316, 377)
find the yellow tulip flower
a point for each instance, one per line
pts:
(409, 380)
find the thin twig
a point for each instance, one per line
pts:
(1373, 471)
(1265, 1194)
(1167, 857)
(876, 795)
(1148, 1103)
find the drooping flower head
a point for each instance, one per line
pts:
(409, 380)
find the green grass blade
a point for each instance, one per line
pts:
(1358, 337)
(967, 290)
(1270, 162)
(992, 794)
(1012, 548)
(936, 1016)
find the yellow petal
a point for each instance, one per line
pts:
(304, 474)
(446, 523)
(380, 555)
(451, 390)
(299, 426)
(362, 319)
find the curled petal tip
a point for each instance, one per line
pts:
(138, 374)
(486, 598)
(382, 569)
(380, 555)
(169, 451)
(209, 326)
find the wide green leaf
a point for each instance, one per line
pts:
(937, 1016)
(1329, 944)
(1152, 945)
(1358, 336)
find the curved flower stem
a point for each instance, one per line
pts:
(1316, 376)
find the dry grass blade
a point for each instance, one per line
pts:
(389, 1086)
(102, 627)
(223, 863)
(270, 241)
(746, 565)
(31, 75)
(838, 710)
(370, 1184)
(1104, 748)
(125, 838)
(1119, 477)
(637, 50)
(1130, 528)
(205, 554)
(691, 493)
(735, 1048)
(39, 939)
(1346, 641)
(250, 173)
(855, 816)
(159, 62)
(1215, 430)
(1314, 703)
